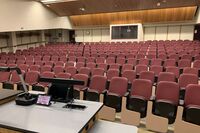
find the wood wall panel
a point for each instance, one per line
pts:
(143, 16)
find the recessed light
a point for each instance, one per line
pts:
(48, 5)
(164, 1)
(82, 9)
(158, 4)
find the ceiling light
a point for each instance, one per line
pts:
(158, 4)
(82, 9)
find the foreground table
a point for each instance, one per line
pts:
(53, 119)
(102, 126)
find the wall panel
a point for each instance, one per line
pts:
(173, 32)
(79, 36)
(149, 33)
(187, 32)
(161, 33)
(96, 35)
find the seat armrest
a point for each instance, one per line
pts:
(152, 98)
(181, 102)
(126, 94)
(84, 89)
(104, 91)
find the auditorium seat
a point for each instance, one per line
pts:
(79, 89)
(63, 75)
(34, 68)
(166, 76)
(149, 75)
(97, 71)
(184, 80)
(96, 88)
(71, 69)
(117, 89)
(134, 105)
(112, 73)
(85, 70)
(58, 69)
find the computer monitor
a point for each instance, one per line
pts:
(61, 90)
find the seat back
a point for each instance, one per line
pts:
(186, 79)
(98, 83)
(166, 76)
(118, 85)
(142, 88)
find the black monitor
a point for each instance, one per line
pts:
(61, 90)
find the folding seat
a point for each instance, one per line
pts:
(139, 68)
(69, 63)
(156, 69)
(164, 108)
(162, 56)
(190, 70)
(104, 55)
(79, 65)
(59, 63)
(196, 64)
(132, 61)
(43, 86)
(112, 73)
(19, 62)
(100, 60)
(166, 76)
(49, 63)
(11, 61)
(90, 59)
(34, 68)
(121, 61)
(97, 71)
(188, 119)
(197, 57)
(127, 67)
(140, 56)
(54, 58)
(184, 63)
(46, 68)
(110, 60)
(174, 56)
(46, 58)
(85, 70)
(81, 59)
(143, 62)
(103, 66)
(169, 62)
(113, 98)
(2, 64)
(63, 58)
(63, 75)
(71, 69)
(114, 66)
(151, 56)
(29, 62)
(12, 65)
(121, 55)
(149, 75)
(134, 106)
(40, 63)
(23, 67)
(174, 70)
(184, 80)
(79, 89)
(38, 58)
(130, 75)
(3, 61)
(72, 58)
(97, 88)
(186, 56)
(5, 76)
(91, 65)
(130, 56)
(31, 78)
(58, 69)
(157, 62)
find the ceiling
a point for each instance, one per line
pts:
(82, 7)
(142, 16)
